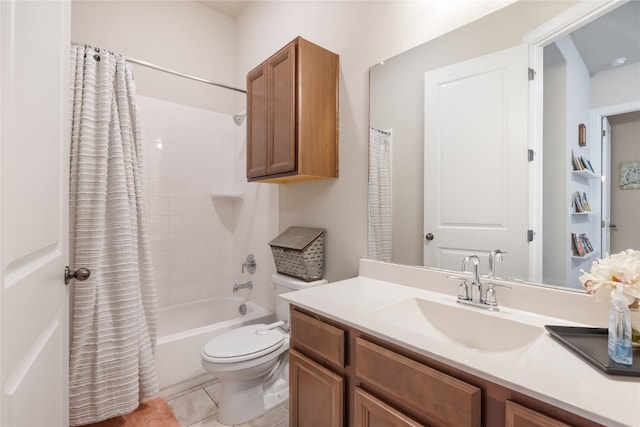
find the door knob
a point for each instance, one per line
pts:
(80, 274)
(429, 237)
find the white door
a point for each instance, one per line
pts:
(606, 188)
(34, 107)
(476, 168)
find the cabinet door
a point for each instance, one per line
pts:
(316, 395)
(371, 412)
(519, 416)
(257, 123)
(281, 72)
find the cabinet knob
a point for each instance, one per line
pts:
(429, 236)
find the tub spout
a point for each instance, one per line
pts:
(238, 286)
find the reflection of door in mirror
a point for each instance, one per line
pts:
(605, 220)
(625, 198)
(476, 173)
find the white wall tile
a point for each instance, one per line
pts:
(192, 238)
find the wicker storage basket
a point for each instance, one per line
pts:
(299, 252)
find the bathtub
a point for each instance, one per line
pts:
(185, 328)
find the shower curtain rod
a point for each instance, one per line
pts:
(169, 71)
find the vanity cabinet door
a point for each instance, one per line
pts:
(316, 395)
(372, 412)
(519, 416)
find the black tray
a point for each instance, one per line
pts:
(591, 345)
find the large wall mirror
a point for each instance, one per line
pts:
(475, 136)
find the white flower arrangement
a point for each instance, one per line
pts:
(606, 273)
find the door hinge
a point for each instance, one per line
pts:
(532, 74)
(603, 133)
(529, 235)
(602, 224)
(530, 154)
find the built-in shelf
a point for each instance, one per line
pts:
(227, 196)
(586, 256)
(586, 174)
(581, 213)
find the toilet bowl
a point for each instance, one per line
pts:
(252, 362)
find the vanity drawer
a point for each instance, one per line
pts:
(437, 398)
(317, 338)
(519, 416)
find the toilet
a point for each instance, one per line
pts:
(252, 362)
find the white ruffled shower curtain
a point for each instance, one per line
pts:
(113, 313)
(379, 209)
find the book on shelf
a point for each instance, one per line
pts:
(587, 164)
(585, 203)
(580, 203)
(586, 243)
(580, 163)
(581, 244)
(575, 162)
(577, 245)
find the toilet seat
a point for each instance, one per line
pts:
(245, 343)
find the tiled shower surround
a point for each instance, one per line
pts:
(188, 155)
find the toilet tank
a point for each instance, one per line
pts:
(284, 284)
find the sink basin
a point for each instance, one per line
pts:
(471, 327)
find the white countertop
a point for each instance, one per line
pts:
(543, 368)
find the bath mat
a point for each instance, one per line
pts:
(152, 413)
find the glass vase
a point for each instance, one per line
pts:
(634, 308)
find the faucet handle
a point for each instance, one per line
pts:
(463, 288)
(491, 298)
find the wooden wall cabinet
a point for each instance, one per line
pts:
(372, 382)
(292, 115)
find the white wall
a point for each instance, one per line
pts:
(616, 86)
(363, 33)
(578, 99)
(555, 189)
(181, 35)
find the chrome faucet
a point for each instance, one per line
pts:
(494, 257)
(238, 286)
(476, 285)
(476, 297)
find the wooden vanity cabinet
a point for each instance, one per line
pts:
(316, 372)
(372, 382)
(292, 115)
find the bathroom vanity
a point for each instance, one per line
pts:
(392, 347)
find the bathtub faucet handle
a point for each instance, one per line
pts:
(250, 264)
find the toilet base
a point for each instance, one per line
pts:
(243, 401)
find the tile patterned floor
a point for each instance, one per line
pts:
(197, 407)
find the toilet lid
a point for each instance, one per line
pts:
(243, 343)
